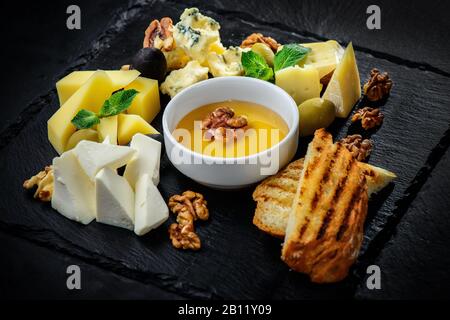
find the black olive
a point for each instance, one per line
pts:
(151, 63)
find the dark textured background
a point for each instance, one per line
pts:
(407, 226)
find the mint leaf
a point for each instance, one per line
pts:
(117, 103)
(85, 119)
(255, 66)
(290, 55)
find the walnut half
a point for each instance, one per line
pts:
(378, 86)
(259, 38)
(370, 117)
(360, 148)
(44, 182)
(159, 35)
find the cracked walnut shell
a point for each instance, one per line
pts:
(360, 148)
(259, 38)
(370, 117)
(159, 35)
(44, 182)
(378, 86)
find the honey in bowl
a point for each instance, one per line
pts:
(230, 129)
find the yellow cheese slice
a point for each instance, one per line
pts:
(129, 125)
(90, 96)
(79, 135)
(324, 56)
(108, 128)
(146, 102)
(67, 86)
(301, 83)
(344, 89)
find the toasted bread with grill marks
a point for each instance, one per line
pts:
(274, 195)
(325, 227)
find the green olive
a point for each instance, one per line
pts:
(315, 113)
(265, 51)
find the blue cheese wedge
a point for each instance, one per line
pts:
(195, 33)
(115, 199)
(226, 64)
(150, 209)
(94, 156)
(177, 80)
(73, 193)
(145, 161)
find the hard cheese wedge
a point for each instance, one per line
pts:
(146, 103)
(68, 85)
(301, 83)
(324, 56)
(150, 209)
(115, 199)
(129, 125)
(73, 193)
(145, 161)
(108, 128)
(91, 96)
(344, 89)
(94, 156)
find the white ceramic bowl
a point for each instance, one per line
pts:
(231, 173)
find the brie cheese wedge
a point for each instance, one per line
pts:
(150, 208)
(73, 193)
(145, 161)
(94, 156)
(115, 199)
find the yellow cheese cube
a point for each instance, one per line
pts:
(83, 134)
(344, 89)
(301, 83)
(146, 102)
(73, 81)
(129, 125)
(324, 56)
(108, 128)
(90, 96)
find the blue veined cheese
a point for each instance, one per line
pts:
(176, 58)
(195, 33)
(177, 80)
(227, 63)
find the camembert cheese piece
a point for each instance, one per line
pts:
(94, 156)
(115, 199)
(145, 161)
(301, 83)
(226, 64)
(150, 208)
(177, 80)
(68, 85)
(344, 89)
(195, 33)
(90, 96)
(73, 193)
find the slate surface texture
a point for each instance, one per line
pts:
(406, 232)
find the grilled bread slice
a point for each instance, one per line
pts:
(325, 227)
(275, 194)
(274, 198)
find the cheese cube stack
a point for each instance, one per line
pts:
(87, 185)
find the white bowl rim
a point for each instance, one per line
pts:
(206, 82)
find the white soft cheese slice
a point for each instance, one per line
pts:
(73, 193)
(94, 156)
(115, 199)
(145, 161)
(150, 208)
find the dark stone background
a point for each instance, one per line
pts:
(412, 245)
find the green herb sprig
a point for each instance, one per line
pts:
(117, 103)
(255, 65)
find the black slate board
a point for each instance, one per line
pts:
(236, 260)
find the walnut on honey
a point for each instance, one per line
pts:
(360, 148)
(259, 38)
(221, 124)
(378, 86)
(44, 182)
(369, 117)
